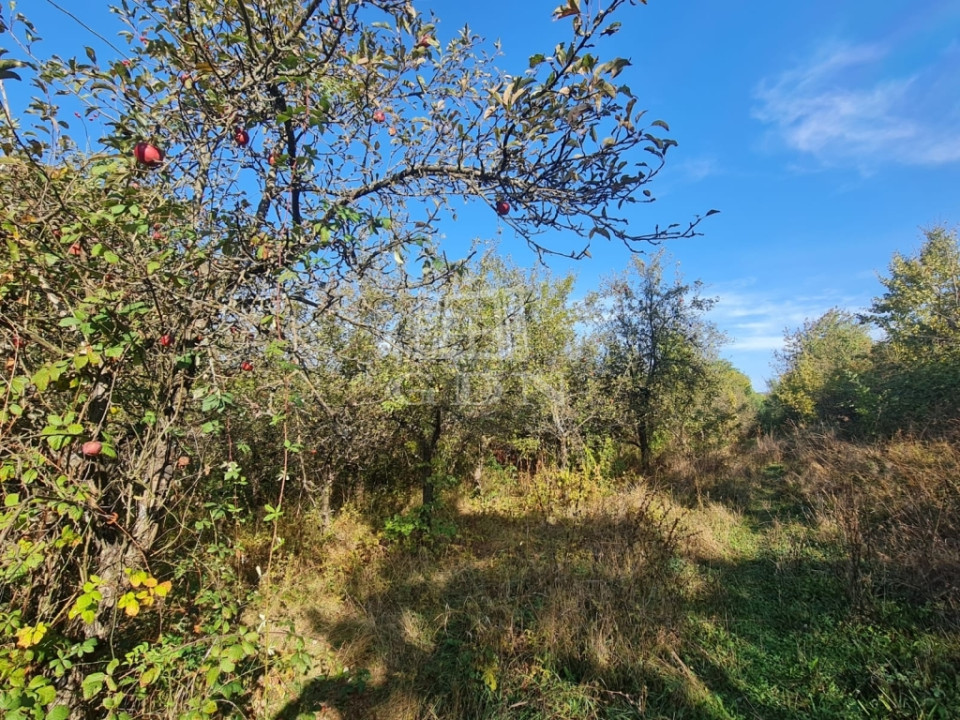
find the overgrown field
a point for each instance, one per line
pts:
(808, 578)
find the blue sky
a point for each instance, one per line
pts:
(827, 133)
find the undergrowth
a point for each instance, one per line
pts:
(721, 596)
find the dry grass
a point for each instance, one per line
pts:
(561, 597)
(580, 592)
(894, 507)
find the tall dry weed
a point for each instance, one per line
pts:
(894, 507)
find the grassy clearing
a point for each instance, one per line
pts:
(557, 601)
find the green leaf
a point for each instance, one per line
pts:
(212, 675)
(92, 684)
(11, 500)
(41, 379)
(46, 694)
(60, 712)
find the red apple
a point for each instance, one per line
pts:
(241, 136)
(379, 116)
(272, 159)
(166, 340)
(92, 447)
(246, 366)
(147, 154)
(502, 207)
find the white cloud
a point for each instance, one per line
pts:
(755, 321)
(837, 108)
(761, 343)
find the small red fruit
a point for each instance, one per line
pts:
(272, 159)
(92, 447)
(241, 137)
(18, 342)
(147, 154)
(424, 41)
(76, 249)
(379, 116)
(246, 366)
(166, 340)
(502, 207)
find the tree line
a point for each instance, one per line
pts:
(832, 370)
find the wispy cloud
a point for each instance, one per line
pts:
(840, 108)
(755, 320)
(696, 169)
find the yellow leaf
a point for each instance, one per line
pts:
(149, 675)
(150, 582)
(29, 636)
(132, 609)
(164, 588)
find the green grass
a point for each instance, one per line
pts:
(610, 610)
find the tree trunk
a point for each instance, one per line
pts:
(325, 492)
(643, 442)
(428, 452)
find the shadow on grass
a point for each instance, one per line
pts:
(321, 695)
(600, 617)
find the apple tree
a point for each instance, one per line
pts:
(178, 207)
